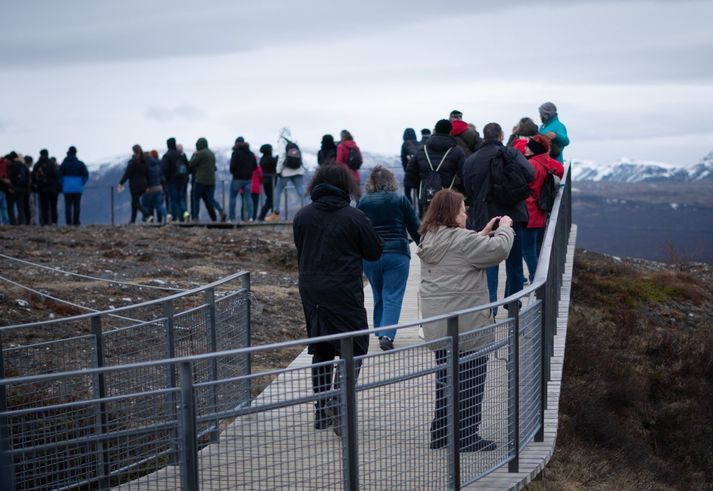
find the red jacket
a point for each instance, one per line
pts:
(343, 154)
(541, 164)
(257, 179)
(521, 144)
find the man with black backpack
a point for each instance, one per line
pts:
(45, 183)
(290, 169)
(438, 164)
(496, 180)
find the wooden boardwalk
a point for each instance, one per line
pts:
(224, 464)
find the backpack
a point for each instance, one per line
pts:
(293, 159)
(432, 182)
(508, 184)
(354, 159)
(21, 177)
(548, 192)
(181, 167)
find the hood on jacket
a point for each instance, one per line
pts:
(440, 143)
(201, 144)
(435, 245)
(409, 134)
(327, 197)
(459, 127)
(171, 143)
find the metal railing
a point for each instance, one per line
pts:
(174, 421)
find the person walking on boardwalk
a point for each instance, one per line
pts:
(409, 147)
(137, 174)
(394, 219)
(553, 129)
(74, 175)
(203, 163)
(332, 240)
(453, 262)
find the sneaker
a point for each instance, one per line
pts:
(169, 218)
(273, 217)
(149, 219)
(223, 217)
(322, 419)
(385, 343)
(186, 216)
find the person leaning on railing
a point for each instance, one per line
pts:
(453, 262)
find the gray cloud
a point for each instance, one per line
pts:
(165, 114)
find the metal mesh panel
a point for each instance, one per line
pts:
(530, 371)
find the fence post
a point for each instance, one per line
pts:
(187, 430)
(247, 341)
(111, 199)
(7, 469)
(454, 404)
(544, 360)
(514, 383)
(212, 348)
(100, 420)
(347, 408)
(170, 340)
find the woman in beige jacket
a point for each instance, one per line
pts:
(453, 262)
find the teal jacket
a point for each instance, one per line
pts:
(562, 140)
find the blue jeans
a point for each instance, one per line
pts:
(4, 219)
(176, 199)
(531, 245)
(388, 276)
(154, 201)
(281, 183)
(236, 185)
(513, 269)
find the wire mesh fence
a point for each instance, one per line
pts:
(160, 398)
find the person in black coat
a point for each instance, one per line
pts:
(476, 180)
(332, 240)
(242, 165)
(268, 163)
(409, 147)
(46, 183)
(327, 153)
(137, 174)
(440, 144)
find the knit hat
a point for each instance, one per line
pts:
(72, 150)
(44, 152)
(538, 144)
(547, 111)
(425, 132)
(443, 127)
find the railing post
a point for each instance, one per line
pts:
(212, 348)
(7, 469)
(111, 200)
(100, 420)
(454, 404)
(514, 389)
(350, 445)
(544, 361)
(187, 430)
(170, 346)
(247, 341)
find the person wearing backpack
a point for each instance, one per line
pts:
(537, 152)
(496, 180)
(73, 175)
(174, 167)
(465, 134)
(46, 184)
(242, 165)
(349, 155)
(290, 169)
(438, 164)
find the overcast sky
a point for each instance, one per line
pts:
(630, 79)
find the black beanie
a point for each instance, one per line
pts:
(240, 139)
(44, 152)
(536, 147)
(443, 127)
(72, 150)
(425, 132)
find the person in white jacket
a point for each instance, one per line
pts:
(290, 169)
(453, 262)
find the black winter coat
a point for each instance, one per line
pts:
(268, 163)
(475, 175)
(137, 173)
(332, 240)
(45, 178)
(452, 169)
(242, 162)
(169, 166)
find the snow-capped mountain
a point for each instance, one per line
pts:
(627, 170)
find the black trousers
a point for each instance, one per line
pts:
(48, 208)
(136, 206)
(471, 387)
(16, 201)
(269, 191)
(71, 207)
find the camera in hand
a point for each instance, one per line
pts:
(496, 224)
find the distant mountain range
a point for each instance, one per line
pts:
(626, 170)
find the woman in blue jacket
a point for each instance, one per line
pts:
(73, 175)
(394, 220)
(553, 129)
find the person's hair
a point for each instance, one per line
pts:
(442, 212)
(381, 179)
(526, 127)
(266, 148)
(328, 141)
(492, 132)
(137, 150)
(346, 135)
(336, 175)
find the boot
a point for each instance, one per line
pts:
(322, 418)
